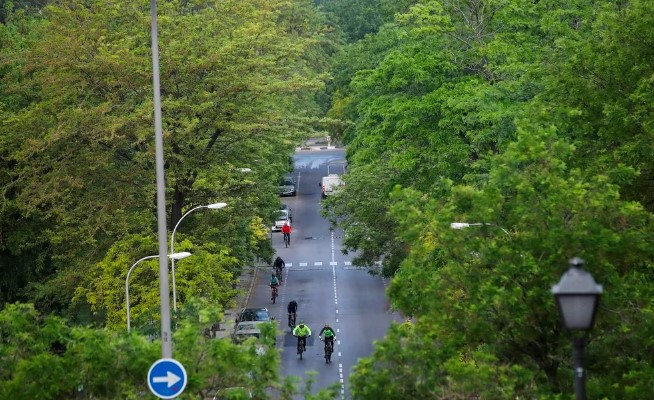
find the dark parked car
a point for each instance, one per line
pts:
(286, 187)
(255, 314)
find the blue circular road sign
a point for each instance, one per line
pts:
(167, 378)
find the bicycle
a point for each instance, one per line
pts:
(291, 320)
(278, 273)
(287, 239)
(274, 294)
(329, 349)
(301, 345)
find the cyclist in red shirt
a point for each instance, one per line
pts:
(286, 230)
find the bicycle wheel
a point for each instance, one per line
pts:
(328, 353)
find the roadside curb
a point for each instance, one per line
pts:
(225, 329)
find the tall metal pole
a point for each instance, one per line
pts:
(579, 344)
(164, 289)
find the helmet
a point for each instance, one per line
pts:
(301, 323)
(326, 324)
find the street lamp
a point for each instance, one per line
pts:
(172, 256)
(463, 225)
(214, 206)
(577, 296)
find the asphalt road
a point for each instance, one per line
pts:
(323, 282)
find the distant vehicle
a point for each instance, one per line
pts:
(286, 187)
(281, 217)
(330, 184)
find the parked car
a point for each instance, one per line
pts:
(281, 217)
(245, 330)
(286, 187)
(260, 314)
(247, 323)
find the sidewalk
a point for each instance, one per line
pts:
(245, 286)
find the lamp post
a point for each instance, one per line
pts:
(577, 296)
(463, 225)
(172, 256)
(214, 206)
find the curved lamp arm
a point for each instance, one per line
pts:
(462, 225)
(213, 206)
(127, 286)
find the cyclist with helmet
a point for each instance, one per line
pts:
(292, 311)
(330, 334)
(301, 331)
(286, 230)
(274, 282)
(278, 266)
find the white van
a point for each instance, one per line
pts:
(330, 184)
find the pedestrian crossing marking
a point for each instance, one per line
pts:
(303, 264)
(333, 263)
(317, 264)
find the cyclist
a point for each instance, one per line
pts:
(279, 265)
(286, 230)
(329, 333)
(301, 332)
(292, 310)
(273, 284)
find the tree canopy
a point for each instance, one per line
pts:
(529, 119)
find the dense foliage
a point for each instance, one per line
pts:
(78, 150)
(239, 82)
(534, 118)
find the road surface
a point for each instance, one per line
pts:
(323, 282)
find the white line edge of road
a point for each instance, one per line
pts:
(338, 330)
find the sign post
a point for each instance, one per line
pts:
(167, 378)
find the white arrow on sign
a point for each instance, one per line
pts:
(170, 379)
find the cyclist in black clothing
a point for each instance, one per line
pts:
(292, 310)
(278, 265)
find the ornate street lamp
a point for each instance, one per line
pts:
(577, 296)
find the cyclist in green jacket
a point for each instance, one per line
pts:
(329, 333)
(301, 331)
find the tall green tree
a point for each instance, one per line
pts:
(237, 79)
(443, 94)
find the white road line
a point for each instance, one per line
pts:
(340, 365)
(333, 263)
(299, 174)
(317, 264)
(347, 263)
(289, 265)
(303, 264)
(332, 246)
